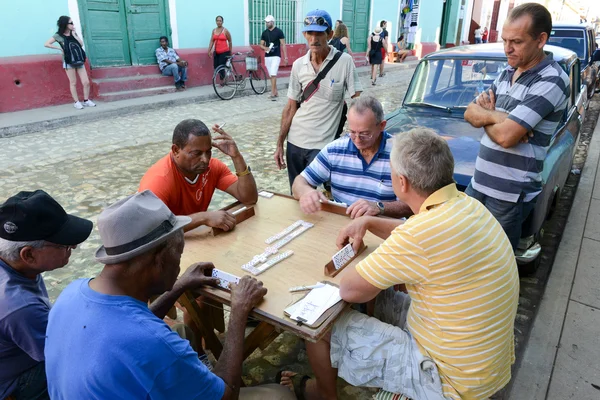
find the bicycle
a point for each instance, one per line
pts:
(226, 80)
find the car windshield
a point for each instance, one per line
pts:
(451, 83)
(571, 39)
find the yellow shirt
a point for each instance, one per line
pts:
(461, 275)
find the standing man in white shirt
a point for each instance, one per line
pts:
(310, 127)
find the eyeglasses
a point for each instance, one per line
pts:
(360, 135)
(314, 20)
(58, 246)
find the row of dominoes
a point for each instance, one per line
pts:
(303, 228)
(269, 263)
(284, 232)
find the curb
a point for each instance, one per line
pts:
(59, 122)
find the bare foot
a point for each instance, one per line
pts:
(286, 379)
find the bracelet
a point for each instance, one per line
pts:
(245, 172)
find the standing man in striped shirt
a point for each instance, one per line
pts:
(519, 114)
(357, 165)
(451, 336)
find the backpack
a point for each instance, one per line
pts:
(73, 52)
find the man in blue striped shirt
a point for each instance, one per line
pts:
(520, 115)
(357, 165)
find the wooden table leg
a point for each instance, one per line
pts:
(261, 337)
(203, 322)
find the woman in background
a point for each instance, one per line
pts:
(340, 39)
(64, 36)
(221, 39)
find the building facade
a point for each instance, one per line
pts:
(124, 34)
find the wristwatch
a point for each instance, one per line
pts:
(381, 207)
(245, 172)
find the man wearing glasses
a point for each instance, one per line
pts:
(309, 127)
(357, 165)
(36, 235)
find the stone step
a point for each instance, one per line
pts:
(131, 94)
(108, 85)
(120, 72)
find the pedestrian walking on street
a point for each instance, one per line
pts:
(272, 41)
(74, 58)
(384, 41)
(220, 38)
(340, 39)
(374, 45)
(313, 114)
(170, 64)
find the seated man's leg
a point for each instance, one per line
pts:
(172, 70)
(32, 384)
(183, 72)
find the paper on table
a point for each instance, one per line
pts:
(310, 308)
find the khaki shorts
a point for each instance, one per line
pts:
(374, 353)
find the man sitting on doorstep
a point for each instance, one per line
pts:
(36, 235)
(357, 165)
(103, 342)
(452, 335)
(170, 64)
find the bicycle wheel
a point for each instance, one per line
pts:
(258, 80)
(224, 83)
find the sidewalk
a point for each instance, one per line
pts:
(35, 120)
(562, 357)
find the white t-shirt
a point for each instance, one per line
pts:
(478, 33)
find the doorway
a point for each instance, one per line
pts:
(355, 14)
(123, 32)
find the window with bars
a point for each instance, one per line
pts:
(289, 17)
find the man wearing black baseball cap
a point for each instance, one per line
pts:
(36, 235)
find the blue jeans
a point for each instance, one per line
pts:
(510, 215)
(32, 384)
(175, 70)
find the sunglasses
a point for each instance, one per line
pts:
(314, 20)
(70, 23)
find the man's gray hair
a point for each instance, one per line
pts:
(9, 251)
(424, 158)
(364, 103)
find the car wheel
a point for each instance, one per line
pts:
(529, 268)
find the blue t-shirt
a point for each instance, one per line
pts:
(100, 346)
(24, 308)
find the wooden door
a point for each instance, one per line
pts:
(355, 14)
(147, 21)
(105, 31)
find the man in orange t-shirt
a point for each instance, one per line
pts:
(186, 178)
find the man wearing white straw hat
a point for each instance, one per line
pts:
(104, 342)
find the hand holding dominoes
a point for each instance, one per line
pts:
(197, 275)
(355, 230)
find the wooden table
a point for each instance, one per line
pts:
(228, 251)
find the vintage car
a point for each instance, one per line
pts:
(442, 86)
(580, 39)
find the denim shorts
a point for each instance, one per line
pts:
(380, 353)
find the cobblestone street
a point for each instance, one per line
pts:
(91, 165)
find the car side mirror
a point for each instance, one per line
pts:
(596, 56)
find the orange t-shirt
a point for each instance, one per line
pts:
(183, 198)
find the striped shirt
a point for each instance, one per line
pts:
(536, 101)
(351, 177)
(460, 272)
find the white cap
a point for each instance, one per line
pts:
(270, 18)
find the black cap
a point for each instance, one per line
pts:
(30, 216)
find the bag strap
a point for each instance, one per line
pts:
(313, 86)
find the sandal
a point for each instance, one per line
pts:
(298, 381)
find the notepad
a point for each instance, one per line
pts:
(309, 309)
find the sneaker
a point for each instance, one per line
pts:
(204, 360)
(78, 105)
(89, 103)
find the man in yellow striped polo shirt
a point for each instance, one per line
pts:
(451, 337)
